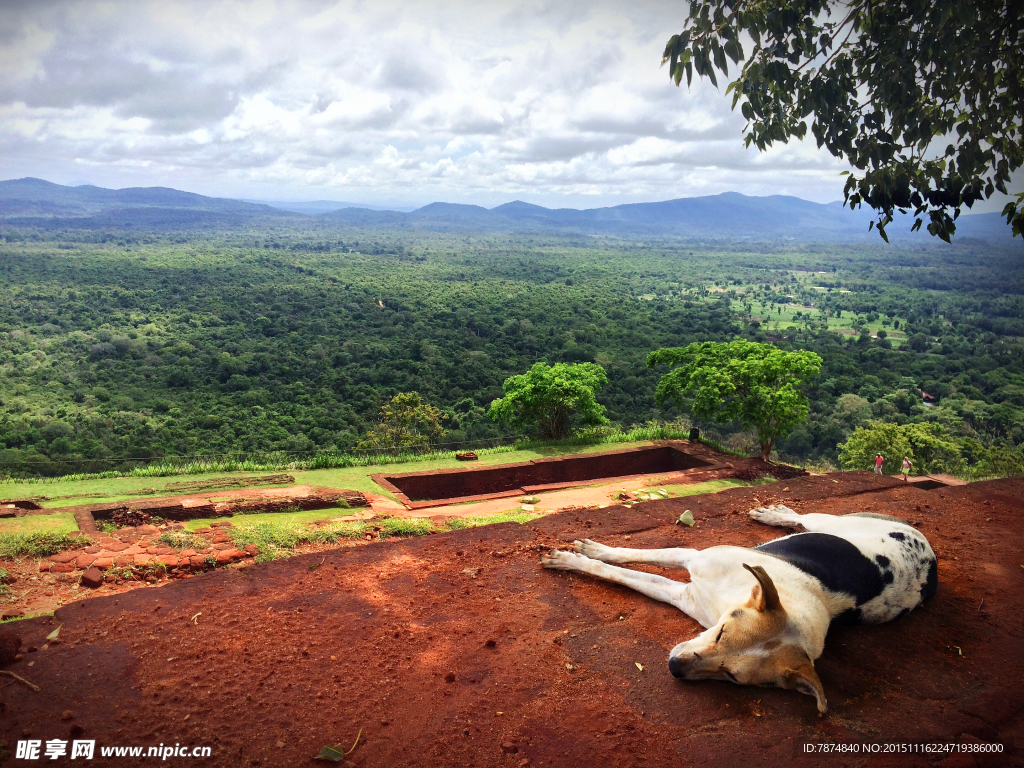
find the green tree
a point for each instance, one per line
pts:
(922, 97)
(553, 399)
(755, 384)
(927, 445)
(890, 440)
(406, 421)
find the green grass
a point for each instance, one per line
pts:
(23, 618)
(299, 517)
(711, 486)
(340, 471)
(56, 523)
(38, 544)
(513, 516)
(38, 535)
(783, 316)
(275, 534)
(182, 540)
(96, 490)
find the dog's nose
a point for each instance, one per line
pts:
(676, 666)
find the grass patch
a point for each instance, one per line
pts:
(513, 516)
(182, 540)
(55, 523)
(299, 517)
(23, 618)
(711, 486)
(38, 544)
(277, 534)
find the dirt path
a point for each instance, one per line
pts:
(548, 501)
(457, 649)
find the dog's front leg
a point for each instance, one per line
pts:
(674, 593)
(777, 514)
(676, 557)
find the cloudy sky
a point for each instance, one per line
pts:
(558, 103)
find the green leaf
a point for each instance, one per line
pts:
(330, 753)
(686, 518)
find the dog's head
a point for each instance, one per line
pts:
(750, 645)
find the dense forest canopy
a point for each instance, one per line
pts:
(134, 344)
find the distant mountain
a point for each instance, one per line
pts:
(729, 215)
(314, 207)
(36, 203)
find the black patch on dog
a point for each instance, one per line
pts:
(845, 619)
(833, 561)
(931, 584)
(882, 560)
(897, 535)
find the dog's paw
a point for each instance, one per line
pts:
(777, 514)
(561, 561)
(590, 549)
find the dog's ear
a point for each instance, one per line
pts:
(805, 679)
(764, 596)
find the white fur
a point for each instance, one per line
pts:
(719, 582)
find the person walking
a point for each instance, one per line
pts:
(879, 461)
(907, 464)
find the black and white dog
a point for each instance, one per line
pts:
(768, 629)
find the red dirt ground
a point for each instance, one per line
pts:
(458, 650)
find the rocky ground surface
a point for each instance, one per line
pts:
(142, 546)
(457, 649)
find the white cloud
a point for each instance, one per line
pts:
(552, 102)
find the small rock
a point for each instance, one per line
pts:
(12, 615)
(509, 748)
(63, 557)
(92, 578)
(252, 550)
(279, 744)
(102, 563)
(229, 556)
(67, 714)
(61, 568)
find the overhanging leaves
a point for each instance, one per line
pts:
(923, 97)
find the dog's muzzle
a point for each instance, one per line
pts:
(676, 666)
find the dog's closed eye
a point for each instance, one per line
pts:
(720, 633)
(730, 675)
